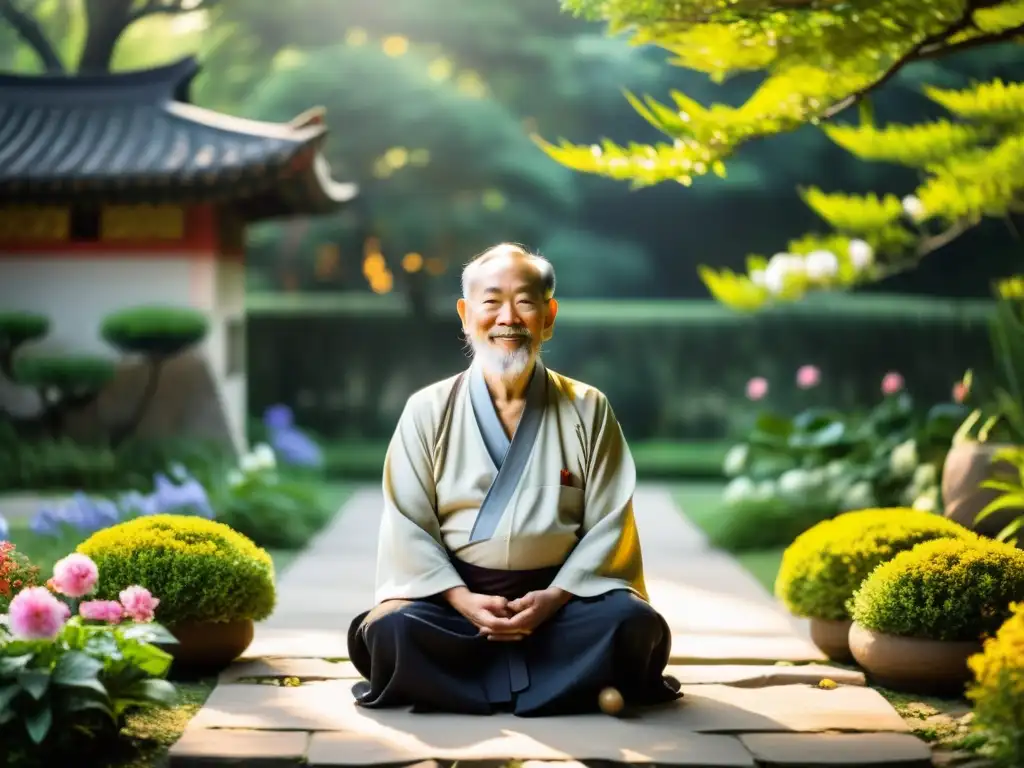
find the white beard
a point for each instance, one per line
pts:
(507, 364)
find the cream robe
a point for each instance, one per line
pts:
(432, 494)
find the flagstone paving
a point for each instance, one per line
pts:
(750, 676)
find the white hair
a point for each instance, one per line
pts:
(543, 266)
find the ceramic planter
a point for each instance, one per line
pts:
(913, 665)
(209, 646)
(832, 638)
(968, 465)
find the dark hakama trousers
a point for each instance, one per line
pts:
(425, 655)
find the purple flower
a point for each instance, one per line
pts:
(190, 495)
(5, 529)
(84, 514)
(278, 417)
(45, 522)
(295, 448)
(136, 503)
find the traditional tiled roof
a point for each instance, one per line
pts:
(135, 137)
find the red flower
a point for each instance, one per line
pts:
(565, 476)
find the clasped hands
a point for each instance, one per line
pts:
(507, 620)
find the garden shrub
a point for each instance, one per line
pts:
(998, 690)
(160, 331)
(823, 567)
(947, 589)
(201, 569)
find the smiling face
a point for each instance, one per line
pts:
(506, 314)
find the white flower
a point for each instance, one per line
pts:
(859, 496)
(821, 265)
(836, 469)
(925, 476)
(779, 266)
(739, 490)
(235, 478)
(765, 491)
(265, 456)
(250, 463)
(903, 459)
(927, 501)
(735, 460)
(861, 254)
(793, 482)
(914, 208)
(757, 277)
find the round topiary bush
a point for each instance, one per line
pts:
(200, 570)
(823, 566)
(72, 374)
(949, 589)
(17, 328)
(998, 690)
(159, 331)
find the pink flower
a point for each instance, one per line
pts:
(757, 388)
(807, 376)
(960, 392)
(75, 575)
(35, 614)
(138, 603)
(892, 383)
(109, 611)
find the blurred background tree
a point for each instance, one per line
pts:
(813, 62)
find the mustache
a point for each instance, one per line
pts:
(513, 332)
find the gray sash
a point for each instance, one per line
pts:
(508, 456)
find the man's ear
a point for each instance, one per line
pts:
(460, 307)
(549, 321)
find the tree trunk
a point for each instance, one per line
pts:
(106, 22)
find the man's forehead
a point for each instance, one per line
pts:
(503, 273)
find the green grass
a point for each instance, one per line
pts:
(701, 502)
(655, 459)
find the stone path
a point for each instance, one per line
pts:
(750, 676)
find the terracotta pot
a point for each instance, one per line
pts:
(209, 645)
(832, 638)
(967, 466)
(913, 665)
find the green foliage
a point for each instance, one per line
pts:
(159, 331)
(200, 569)
(57, 464)
(83, 682)
(1010, 487)
(948, 589)
(823, 567)
(71, 374)
(274, 510)
(998, 691)
(819, 59)
(791, 473)
(17, 328)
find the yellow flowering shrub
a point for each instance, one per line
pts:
(199, 569)
(947, 589)
(824, 565)
(998, 690)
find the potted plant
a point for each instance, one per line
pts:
(919, 617)
(997, 691)
(213, 582)
(823, 567)
(996, 424)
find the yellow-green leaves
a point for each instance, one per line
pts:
(996, 101)
(854, 213)
(915, 146)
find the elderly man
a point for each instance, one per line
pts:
(509, 572)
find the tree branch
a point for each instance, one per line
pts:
(938, 50)
(171, 7)
(909, 56)
(28, 29)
